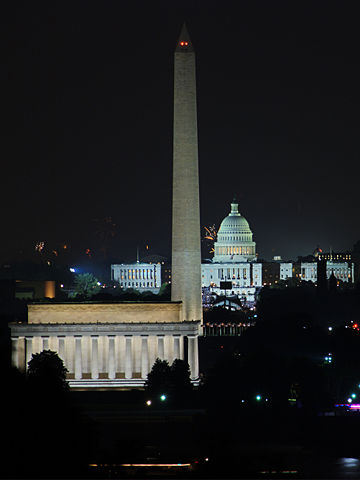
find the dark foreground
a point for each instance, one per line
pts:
(116, 435)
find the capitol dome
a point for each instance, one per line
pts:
(234, 239)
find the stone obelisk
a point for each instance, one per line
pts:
(186, 252)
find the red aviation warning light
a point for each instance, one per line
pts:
(184, 44)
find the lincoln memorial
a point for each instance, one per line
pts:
(106, 345)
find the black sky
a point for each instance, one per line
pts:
(87, 110)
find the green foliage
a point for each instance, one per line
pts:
(86, 285)
(165, 290)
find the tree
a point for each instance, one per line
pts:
(86, 285)
(165, 291)
(173, 380)
(50, 402)
(159, 379)
(180, 377)
(46, 371)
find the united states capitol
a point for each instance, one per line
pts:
(236, 261)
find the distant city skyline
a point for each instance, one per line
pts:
(88, 135)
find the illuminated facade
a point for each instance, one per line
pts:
(286, 270)
(106, 345)
(308, 271)
(335, 256)
(139, 276)
(234, 259)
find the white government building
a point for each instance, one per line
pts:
(234, 259)
(343, 271)
(139, 276)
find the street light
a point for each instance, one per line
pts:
(163, 398)
(258, 398)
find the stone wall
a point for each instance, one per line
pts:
(67, 313)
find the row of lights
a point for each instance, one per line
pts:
(162, 398)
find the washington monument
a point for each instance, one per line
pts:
(186, 252)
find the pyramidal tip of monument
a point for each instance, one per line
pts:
(184, 43)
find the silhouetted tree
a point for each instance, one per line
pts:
(180, 374)
(46, 370)
(159, 378)
(181, 387)
(50, 404)
(173, 380)
(332, 283)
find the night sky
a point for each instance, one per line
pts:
(87, 109)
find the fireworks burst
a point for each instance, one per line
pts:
(210, 233)
(210, 237)
(39, 246)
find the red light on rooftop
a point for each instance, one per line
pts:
(184, 44)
